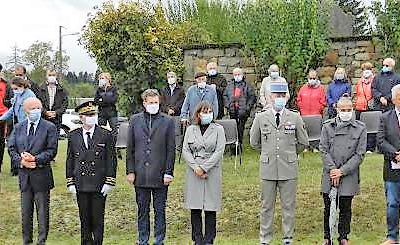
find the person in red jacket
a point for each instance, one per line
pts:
(5, 103)
(311, 96)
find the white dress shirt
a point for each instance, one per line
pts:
(84, 132)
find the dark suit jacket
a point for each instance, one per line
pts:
(388, 138)
(60, 102)
(150, 153)
(43, 146)
(89, 169)
(173, 102)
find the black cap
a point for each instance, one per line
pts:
(200, 74)
(86, 108)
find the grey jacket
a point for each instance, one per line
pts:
(205, 151)
(279, 144)
(343, 146)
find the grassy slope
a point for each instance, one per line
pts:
(237, 223)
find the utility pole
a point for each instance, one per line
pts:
(60, 50)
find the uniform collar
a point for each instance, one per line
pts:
(91, 130)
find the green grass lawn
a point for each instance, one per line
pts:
(238, 222)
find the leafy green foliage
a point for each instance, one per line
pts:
(292, 34)
(136, 43)
(388, 27)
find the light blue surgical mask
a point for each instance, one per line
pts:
(279, 103)
(206, 118)
(18, 92)
(35, 115)
(386, 69)
(212, 72)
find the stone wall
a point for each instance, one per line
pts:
(349, 52)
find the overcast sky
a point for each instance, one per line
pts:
(25, 21)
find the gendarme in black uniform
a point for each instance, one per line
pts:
(90, 167)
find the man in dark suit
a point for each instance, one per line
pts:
(32, 146)
(54, 99)
(172, 96)
(150, 164)
(20, 71)
(388, 138)
(90, 168)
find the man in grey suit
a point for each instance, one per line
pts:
(32, 146)
(280, 134)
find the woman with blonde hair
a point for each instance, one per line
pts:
(106, 99)
(337, 88)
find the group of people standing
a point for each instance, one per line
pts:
(278, 132)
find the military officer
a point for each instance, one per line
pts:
(91, 168)
(280, 134)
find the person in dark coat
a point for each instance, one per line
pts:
(172, 96)
(382, 85)
(32, 146)
(150, 164)
(106, 98)
(239, 99)
(90, 170)
(388, 139)
(220, 83)
(5, 102)
(54, 99)
(20, 71)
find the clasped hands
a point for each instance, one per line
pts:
(335, 175)
(28, 160)
(200, 173)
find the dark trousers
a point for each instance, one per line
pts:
(344, 216)
(91, 212)
(197, 226)
(143, 199)
(2, 143)
(42, 201)
(241, 123)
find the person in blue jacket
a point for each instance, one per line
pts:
(339, 86)
(21, 90)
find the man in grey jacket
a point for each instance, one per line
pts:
(197, 93)
(343, 144)
(281, 135)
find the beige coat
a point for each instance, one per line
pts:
(279, 144)
(205, 151)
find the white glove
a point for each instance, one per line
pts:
(106, 189)
(72, 189)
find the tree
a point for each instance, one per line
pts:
(387, 17)
(136, 43)
(42, 56)
(360, 13)
(15, 59)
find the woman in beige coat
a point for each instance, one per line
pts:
(203, 149)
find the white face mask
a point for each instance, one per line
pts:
(202, 84)
(345, 116)
(152, 108)
(171, 80)
(238, 78)
(91, 120)
(274, 74)
(102, 83)
(52, 79)
(367, 73)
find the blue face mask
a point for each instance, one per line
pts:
(18, 92)
(35, 115)
(206, 118)
(279, 103)
(386, 69)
